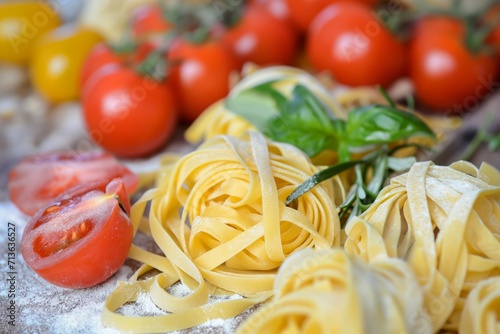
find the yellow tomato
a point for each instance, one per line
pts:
(21, 24)
(58, 59)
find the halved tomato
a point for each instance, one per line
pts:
(82, 238)
(39, 179)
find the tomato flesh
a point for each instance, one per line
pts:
(39, 179)
(82, 238)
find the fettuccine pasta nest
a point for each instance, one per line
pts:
(331, 292)
(481, 312)
(445, 222)
(219, 216)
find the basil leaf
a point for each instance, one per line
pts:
(258, 105)
(382, 125)
(305, 123)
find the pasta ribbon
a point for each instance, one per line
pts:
(445, 222)
(219, 218)
(214, 121)
(481, 314)
(329, 291)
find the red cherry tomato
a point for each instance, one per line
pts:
(128, 114)
(303, 12)
(347, 40)
(277, 8)
(493, 17)
(261, 38)
(148, 20)
(200, 75)
(447, 76)
(39, 179)
(82, 238)
(103, 55)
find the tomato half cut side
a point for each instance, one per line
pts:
(82, 238)
(39, 179)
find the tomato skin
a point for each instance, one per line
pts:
(127, 114)
(100, 55)
(277, 8)
(58, 59)
(103, 55)
(102, 232)
(303, 12)
(347, 40)
(446, 75)
(21, 25)
(148, 20)
(39, 179)
(261, 38)
(493, 17)
(200, 75)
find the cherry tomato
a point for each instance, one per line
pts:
(277, 8)
(104, 55)
(148, 20)
(261, 38)
(200, 75)
(347, 40)
(447, 76)
(493, 17)
(303, 12)
(101, 55)
(39, 179)
(82, 238)
(128, 114)
(21, 25)
(58, 59)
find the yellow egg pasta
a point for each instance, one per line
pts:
(214, 121)
(481, 314)
(445, 222)
(219, 219)
(329, 291)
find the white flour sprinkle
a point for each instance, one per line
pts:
(48, 309)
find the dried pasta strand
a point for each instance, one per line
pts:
(329, 291)
(219, 218)
(481, 313)
(445, 222)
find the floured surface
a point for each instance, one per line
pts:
(45, 308)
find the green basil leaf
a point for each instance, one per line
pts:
(293, 130)
(382, 125)
(305, 123)
(258, 105)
